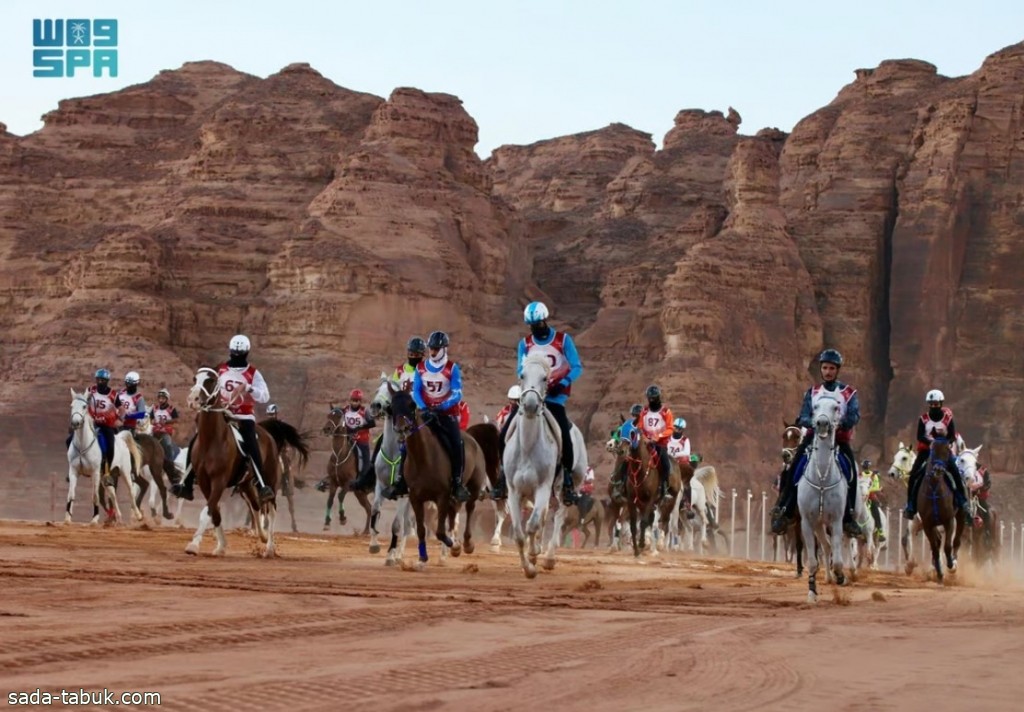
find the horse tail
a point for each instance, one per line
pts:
(286, 434)
(708, 477)
(487, 436)
(133, 451)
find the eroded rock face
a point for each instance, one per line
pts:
(142, 228)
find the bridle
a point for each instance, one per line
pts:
(208, 402)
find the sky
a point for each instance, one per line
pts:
(528, 70)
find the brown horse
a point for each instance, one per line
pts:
(342, 468)
(219, 464)
(935, 509)
(593, 519)
(642, 486)
(153, 457)
(792, 538)
(427, 472)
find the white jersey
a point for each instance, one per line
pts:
(678, 449)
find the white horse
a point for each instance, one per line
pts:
(865, 549)
(821, 498)
(704, 498)
(85, 459)
(532, 453)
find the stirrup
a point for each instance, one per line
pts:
(500, 490)
(396, 489)
(460, 493)
(265, 494)
(569, 497)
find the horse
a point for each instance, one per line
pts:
(593, 519)
(342, 468)
(85, 459)
(791, 538)
(151, 476)
(427, 472)
(867, 548)
(821, 498)
(705, 496)
(641, 486)
(532, 453)
(219, 464)
(984, 541)
(935, 509)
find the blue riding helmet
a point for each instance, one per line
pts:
(831, 356)
(535, 313)
(103, 373)
(679, 423)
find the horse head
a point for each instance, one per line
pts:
(79, 409)
(902, 461)
(967, 462)
(403, 413)
(335, 420)
(940, 451)
(825, 418)
(791, 438)
(203, 394)
(381, 401)
(533, 381)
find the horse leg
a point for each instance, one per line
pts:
(291, 509)
(72, 483)
(342, 519)
(632, 530)
(213, 502)
(144, 488)
(556, 535)
(932, 535)
(330, 504)
(839, 554)
(270, 512)
(953, 548)
(467, 536)
(500, 514)
(374, 517)
(421, 531)
(798, 547)
(812, 561)
(365, 503)
(204, 523)
(515, 513)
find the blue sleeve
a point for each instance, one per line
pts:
(804, 419)
(575, 366)
(455, 395)
(520, 355)
(852, 413)
(417, 386)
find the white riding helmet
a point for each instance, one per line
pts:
(934, 395)
(163, 392)
(240, 343)
(131, 378)
(535, 313)
(515, 392)
(271, 409)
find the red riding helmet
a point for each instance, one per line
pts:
(356, 395)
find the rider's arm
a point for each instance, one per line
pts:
(922, 437)
(667, 432)
(571, 355)
(852, 412)
(138, 414)
(455, 392)
(417, 390)
(520, 355)
(804, 418)
(260, 393)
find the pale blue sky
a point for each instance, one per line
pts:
(528, 70)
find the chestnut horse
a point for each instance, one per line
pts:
(342, 468)
(935, 508)
(792, 538)
(219, 464)
(427, 471)
(642, 486)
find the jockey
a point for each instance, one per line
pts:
(163, 415)
(240, 386)
(513, 402)
(618, 478)
(357, 424)
(132, 403)
(415, 350)
(830, 361)
(587, 488)
(566, 367)
(103, 410)
(437, 388)
(875, 487)
(678, 447)
(656, 425)
(935, 422)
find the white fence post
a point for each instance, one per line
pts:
(888, 544)
(764, 523)
(732, 525)
(899, 542)
(750, 496)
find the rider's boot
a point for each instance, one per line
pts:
(500, 490)
(850, 525)
(569, 496)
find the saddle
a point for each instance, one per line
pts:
(845, 466)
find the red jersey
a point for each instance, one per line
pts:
(103, 407)
(354, 419)
(230, 382)
(163, 419)
(555, 353)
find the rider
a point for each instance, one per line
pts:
(437, 388)
(513, 402)
(587, 488)
(132, 403)
(239, 385)
(873, 490)
(163, 415)
(678, 447)
(830, 362)
(357, 424)
(103, 406)
(935, 422)
(618, 478)
(415, 350)
(566, 367)
(656, 425)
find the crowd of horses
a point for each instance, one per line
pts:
(529, 458)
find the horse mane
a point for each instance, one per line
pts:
(537, 358)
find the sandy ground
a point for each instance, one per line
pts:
(326, 626)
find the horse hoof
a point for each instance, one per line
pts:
(327, 528)
(270, 553)
(812, 597)
(549, 564)
(219, 551)
(421, 565)
(374, 548)
(456, 550)
(67, 519)
(469, 547)
(495, 548)
(840, 579)
(192, 549)
(531, 572)
(909, 568)
(342, 521)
